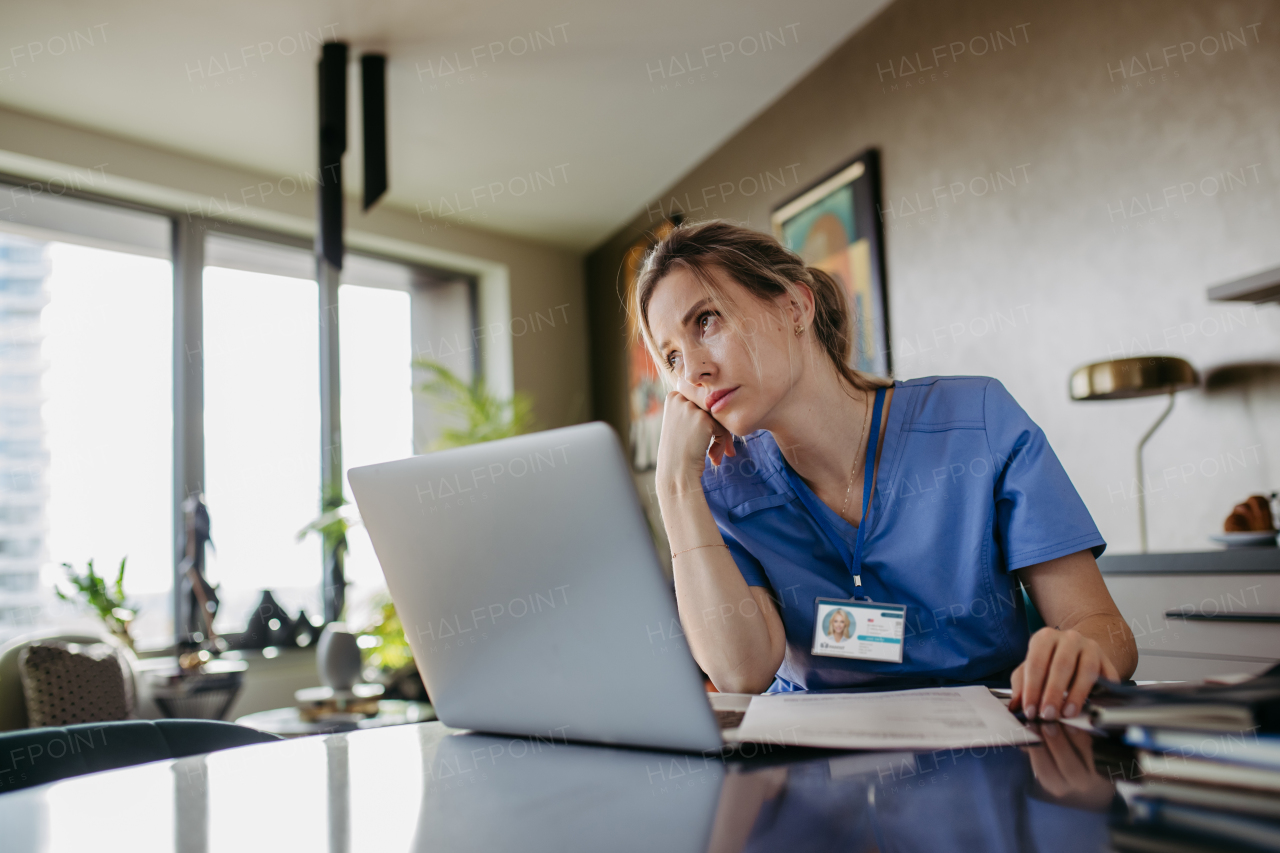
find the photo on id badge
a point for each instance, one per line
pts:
(863, 630)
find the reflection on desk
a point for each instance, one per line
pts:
(426, 787)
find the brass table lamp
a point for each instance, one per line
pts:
(1124, 378)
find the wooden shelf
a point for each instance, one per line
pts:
(1260, 287)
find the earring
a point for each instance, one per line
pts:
(799, 329)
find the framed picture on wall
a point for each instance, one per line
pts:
(834, 226)
(646, 392)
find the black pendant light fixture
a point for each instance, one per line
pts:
(373, 106)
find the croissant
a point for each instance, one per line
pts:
(1253, 514)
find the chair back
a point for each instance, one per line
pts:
(1034, 620)
(13, 700)
(40, 756)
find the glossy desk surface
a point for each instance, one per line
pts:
(427, 787)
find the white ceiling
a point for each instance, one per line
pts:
(585, 108)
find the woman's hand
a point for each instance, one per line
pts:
(1093, 642)
(689, 435)
(1058, 664)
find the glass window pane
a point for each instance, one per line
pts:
(262, 440)
(87, 448)
(375, 349)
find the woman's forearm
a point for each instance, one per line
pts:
(1115, 639)
(734, 632)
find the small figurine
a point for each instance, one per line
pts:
(198, 601)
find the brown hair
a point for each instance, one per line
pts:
(766, 269)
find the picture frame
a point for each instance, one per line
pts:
(834, 225)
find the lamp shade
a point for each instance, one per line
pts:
(1123, 378)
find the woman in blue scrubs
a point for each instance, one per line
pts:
(762, 480)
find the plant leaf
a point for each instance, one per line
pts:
(486, 416)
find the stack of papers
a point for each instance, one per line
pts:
(933, 718)
(1207, 707)
(1210, 761)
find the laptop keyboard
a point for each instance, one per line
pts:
(730, 719)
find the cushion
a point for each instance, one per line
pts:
(67, 683)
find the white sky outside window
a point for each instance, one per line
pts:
(108, 421)
(262, 440)
(375, 349)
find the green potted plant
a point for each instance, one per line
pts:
(107, 601)
(484, 415)
(382, 640)
(337, 516)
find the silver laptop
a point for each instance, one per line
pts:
(526, 579)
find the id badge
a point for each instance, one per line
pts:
(862, 630)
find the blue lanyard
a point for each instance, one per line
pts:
(854, 561)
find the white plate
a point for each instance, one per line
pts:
(1246, 539)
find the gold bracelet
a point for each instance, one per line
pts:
(696, 547)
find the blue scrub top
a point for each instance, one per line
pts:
(968, 490)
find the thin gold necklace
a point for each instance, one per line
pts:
(856, 448)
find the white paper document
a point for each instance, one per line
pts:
(933, 718)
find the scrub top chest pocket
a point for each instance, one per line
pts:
(862, 630)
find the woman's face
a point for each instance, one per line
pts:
(839, 623)
(710, 358)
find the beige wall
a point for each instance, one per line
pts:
(1062, 264)
(549, 364)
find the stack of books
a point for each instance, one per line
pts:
(1206, 772)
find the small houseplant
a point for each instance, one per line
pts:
(383, 642)
(108, 601)
(335, 519)
(485, 415)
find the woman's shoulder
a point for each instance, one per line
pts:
(951, 402)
